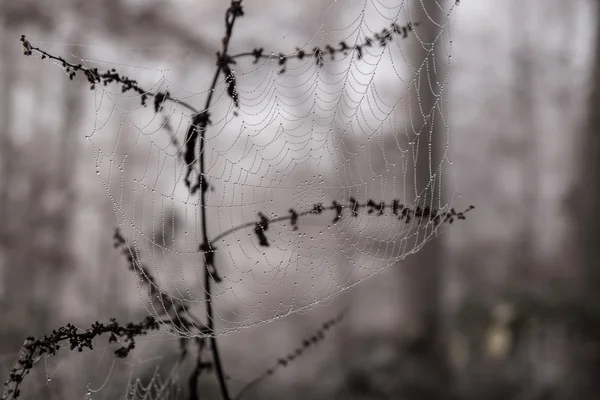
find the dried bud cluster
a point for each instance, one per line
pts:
(199, 123)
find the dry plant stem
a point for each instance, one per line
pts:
(282, 218)
(207, 276)
(308, 342)
(78, 67)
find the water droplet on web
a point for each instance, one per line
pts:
(457, 2)
(49, 379)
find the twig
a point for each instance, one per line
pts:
(34, 348)
(185, 319)
(283, 362)
(403, 212)
(382, 38)
(95, 77)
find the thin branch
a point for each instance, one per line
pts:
(403, 212)
(184, 318)
(235, 10)
(33, 348)
(382, 38)
(95, 77)
(290, 357)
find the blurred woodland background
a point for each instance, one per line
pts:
(504, 305)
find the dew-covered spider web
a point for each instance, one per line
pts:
(314, 162)
(343, 125)
(323, 162)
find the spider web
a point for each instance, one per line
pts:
(310, 131)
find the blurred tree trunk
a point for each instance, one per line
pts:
(588, 211)
(68, 151)
(586, 228)
(124, 153)
(524, 105)
(424, 354)
(8, 337)
(63, 188)
(8, 50)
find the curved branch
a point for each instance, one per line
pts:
(233, 12)
(382, 38)
(50, 344)
(95, 77)
(405, 213)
